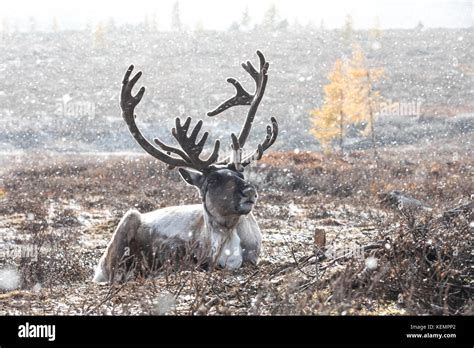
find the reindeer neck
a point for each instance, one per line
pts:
(218, 224)
(224, 240)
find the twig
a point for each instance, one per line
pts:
(110, 295)
(250, 277)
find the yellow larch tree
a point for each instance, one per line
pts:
(375, 33)
(55, 25)
(328, 121)
(99, 36)
(363, 101)
(349, 98)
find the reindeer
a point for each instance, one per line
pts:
(221, 231)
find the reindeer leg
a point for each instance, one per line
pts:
(250, 239)
(118, 252)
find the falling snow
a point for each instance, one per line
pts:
(70, 170)
(9, 279)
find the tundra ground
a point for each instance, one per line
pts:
(67, 206)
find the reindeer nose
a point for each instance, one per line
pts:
(249, 192)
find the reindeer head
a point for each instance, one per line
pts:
(224, 192)
(223, 188)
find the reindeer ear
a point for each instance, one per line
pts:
(192, 177)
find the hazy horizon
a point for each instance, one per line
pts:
(219, 15)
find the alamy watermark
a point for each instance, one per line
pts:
(350, 251)
(401, 108)
(73, 107)
(355, 251)
(28, 330)
(14, 252)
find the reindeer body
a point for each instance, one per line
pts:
(225, 246)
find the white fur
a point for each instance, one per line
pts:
(230, 246)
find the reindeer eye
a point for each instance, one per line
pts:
(213, 182)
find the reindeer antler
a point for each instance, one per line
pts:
(190, 147)
(190, 150)
(242, 97)
(188, 155)
(239, 162)
(272, 133)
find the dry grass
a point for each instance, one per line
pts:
(68, 208)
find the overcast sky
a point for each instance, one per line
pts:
(219, 14)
